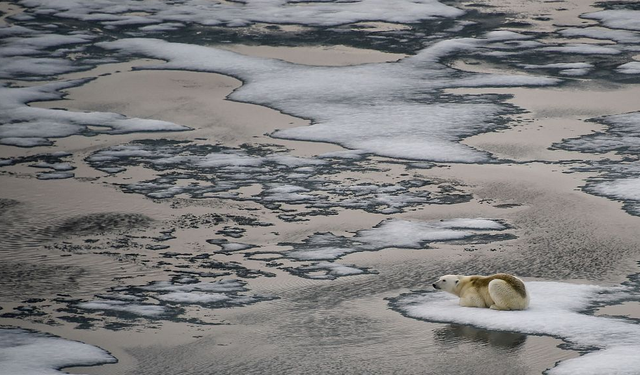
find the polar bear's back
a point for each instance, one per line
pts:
(482, 282)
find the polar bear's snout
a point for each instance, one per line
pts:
(435, 286)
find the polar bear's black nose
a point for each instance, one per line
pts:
(435, 286)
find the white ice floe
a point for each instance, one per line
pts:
(617, 19)
(385, 108)
(333, 270)
(221, 286)
(55, 175)
(193, 297)
(623, 189)
(26, 126)
(622, 136)
(620, 36)
(632, 67)
(150, 311)
(389, 234)
(115, 12)
(557, 309)
(583, 49)
(569, 69)
(25, 352)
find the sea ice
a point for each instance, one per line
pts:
(368, 107)
(24, 352)
(617, 19)
(114, 12)
(146, 310)
(388, 234)
(632, 67)
(27, 126)
(558, 310)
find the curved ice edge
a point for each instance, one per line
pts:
(29, 352)
(338, 99)
(558, 310)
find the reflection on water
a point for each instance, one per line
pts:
(453, 334)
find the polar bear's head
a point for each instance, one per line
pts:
(447, 283)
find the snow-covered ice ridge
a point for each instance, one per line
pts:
(557, 309)
(24, 352)
(219, 171)
(387, 109)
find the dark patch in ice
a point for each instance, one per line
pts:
(101, 223)
(220, 171)
(227, 247)
(59, 168)
(236, 268)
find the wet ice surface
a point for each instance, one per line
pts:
(29, 353)
(557, 309)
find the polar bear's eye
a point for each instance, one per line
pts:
(444, 281)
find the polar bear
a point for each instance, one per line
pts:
(499, 292)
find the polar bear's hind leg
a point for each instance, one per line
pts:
(504, 296)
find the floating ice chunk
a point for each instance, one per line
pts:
(632, 67)
(25, 352)
(569, 69)
(617, 19)
(574, 72)
(151, 311)
(624, 189)
(620, 360)
(583, 49)
(13, 30)
(43, 41)
(221, 286)
(555, 310)
(389, 234)
(25, 142)
(235, 246)
(620, 36)
(321, 253)
(23, 125)
(287, 193)
(169, 26)
(502, 35)
(560, 66)
(55, 175)
(333, 270)
(378, 108)
(412, 234)
(31, 68)
(193, 297)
